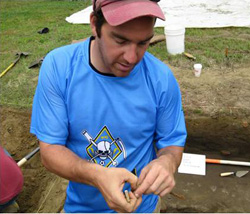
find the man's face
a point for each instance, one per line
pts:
(120, 48)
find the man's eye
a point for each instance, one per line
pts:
(120, 42)
(143, 43)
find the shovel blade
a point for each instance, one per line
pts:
(240, 174)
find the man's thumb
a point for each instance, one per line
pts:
(132, 179)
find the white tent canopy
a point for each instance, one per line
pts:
(192, 13)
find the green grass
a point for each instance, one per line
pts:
(20, 21)
(208, 45)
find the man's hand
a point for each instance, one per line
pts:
(110, 181)
(158, 176)
(111, 185)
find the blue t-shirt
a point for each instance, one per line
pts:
(111, 121)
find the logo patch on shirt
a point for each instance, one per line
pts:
(104, 149)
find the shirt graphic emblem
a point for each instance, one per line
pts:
(104, 149)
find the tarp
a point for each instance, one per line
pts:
(192, 13)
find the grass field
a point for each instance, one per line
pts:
(21, 20)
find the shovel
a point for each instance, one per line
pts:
(28, 156)
(238, 174)
(19, 55)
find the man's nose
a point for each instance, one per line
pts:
(131, 54)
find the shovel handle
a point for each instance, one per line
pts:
(224, 174)
(7, 69)
(21, 162)
(27, 157)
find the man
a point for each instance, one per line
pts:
(11, 183)
(103, 105)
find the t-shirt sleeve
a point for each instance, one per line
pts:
(170, 126)
(49, 114)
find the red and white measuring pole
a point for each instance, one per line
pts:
(229, 162)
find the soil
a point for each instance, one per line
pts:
(217, 110)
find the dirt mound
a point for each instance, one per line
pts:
(42, 191)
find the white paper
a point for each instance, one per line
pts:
(193, 164)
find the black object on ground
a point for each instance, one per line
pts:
(44, 30)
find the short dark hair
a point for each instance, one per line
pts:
(100, 20)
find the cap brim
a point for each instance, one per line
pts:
(119, 12)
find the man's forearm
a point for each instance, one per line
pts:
(63, 162)
(110, 181)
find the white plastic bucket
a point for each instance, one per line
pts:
(175, 36)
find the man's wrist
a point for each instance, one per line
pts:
(170, 160)
(88, 172)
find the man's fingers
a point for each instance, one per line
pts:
(158, 190)
(142, 176)
(135, 202)
(146, 183)
(130, 202)
(162, 182)
(132, 179)
(157, 186)
(165, 187)
(121, 204)
(165, 191)
(155, 182)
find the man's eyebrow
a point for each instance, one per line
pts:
(149, 38)
(126, 39)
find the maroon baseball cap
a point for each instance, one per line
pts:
(117, 12)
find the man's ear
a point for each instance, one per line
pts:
(92, 24)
